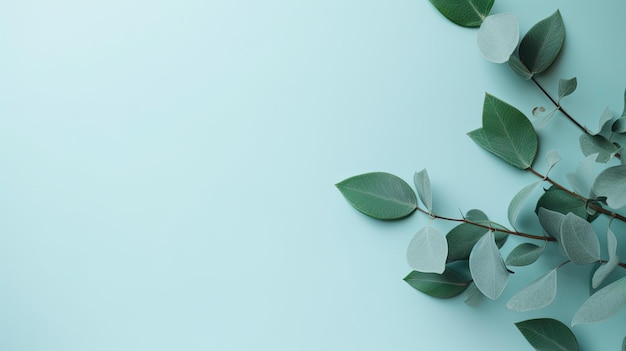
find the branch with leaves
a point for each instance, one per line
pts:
(468, 258)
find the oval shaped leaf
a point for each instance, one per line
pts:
(466, 13)
(546, 334)
(551, 222)
(507, 133)
(543, 43)
(536, 295)
(518, 201)
(524, 254)
(443, 286)
(379, 195)
(597, 144)
(428, 251)
(422, 184)
(487, 267)
(567, 86)
(498, 37)
(603, 304)
(610, 184)
(578, 239)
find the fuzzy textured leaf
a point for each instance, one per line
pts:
(546, 334)
(536, 295)
(424, 191)
(379, 195)
(487, 267)
(603, 304)
(543, 43)
(524, 254)
(610, 184)
(597, 144)
(507, 133)
(578, 239)
(428, 251)
(498, 36)
(466, 13)
(443, 286)
(567, 86)
(518, 201)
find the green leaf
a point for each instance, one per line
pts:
(553, 158)
(487, 267)
(606, 116)
(536, 295)
(603, 304)
(473, 296)
(379, 195)
(546, 334)
(567, 86)
(428, 251)
(579, 240)
(582, 179)
(519, 68)
(446, 285)
(466, 13)
(463, 237)
(619, 126)
(610, 184)
(498, 36)
(518, 201)
(543, 43)
(563, 202)
(422, 184)
(605, 269)
(507, 133)
(597, 144)
(524, 254)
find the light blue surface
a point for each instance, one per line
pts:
(168, 170)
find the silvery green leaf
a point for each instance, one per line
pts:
(519, 68)
(551, 222)
(566, 87)
(605, 269)
(498, 37)
(428, 251)
(603, 304)
(553, 158)
(619, 126)
(422, 184)
(441, 286)
(379, 195)
(578, 239)
(538, 294)
(543, 43)
(546, 334)
(463, 237)
(524, 254)
(466, 13)
(605, 118)
(597, 144)
(518, 201)
(487, 267)
(584, 176)
(610, 184)
(473, 296)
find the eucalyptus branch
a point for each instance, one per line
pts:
(489, 227)
(559, 107)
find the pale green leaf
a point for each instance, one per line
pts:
(524, 254)
(519, 68)
(463, 237)
(498, 37)
(546, 334)
(566, 87)
(473, 296)
(605, 269)
(579, 240)
(536, 295)
(619, 126)
(518, 201)
(584, 176)
(597, 144)
(428, 251)
(466, 13)
(603, 304)
(543, 43)
(507, 133)
(610, 184)
(424, 191)
(379, 195)
(551, 222)
(606, 116)
(441, 286)
(487, 267)
(553, 158)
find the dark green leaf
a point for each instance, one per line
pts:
(379, 195)
(546, 334)
(543, 43)
(558, 200)
(507, 133)
(442, 286)
(519, 68)
(597, 144)
(566, 87)
(524, 254)
(619, 126)
(466, 13)
(463, 237)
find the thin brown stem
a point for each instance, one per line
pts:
(559, 107)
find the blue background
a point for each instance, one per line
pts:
(168, 169)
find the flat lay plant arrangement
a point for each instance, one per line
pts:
(468, 259)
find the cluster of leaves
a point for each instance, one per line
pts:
(468, 257)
